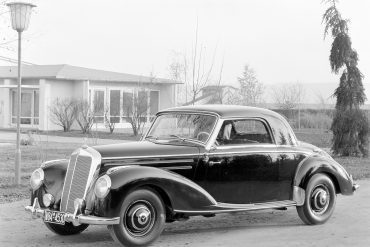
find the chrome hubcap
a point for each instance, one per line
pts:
(320, 199)
(139, 218)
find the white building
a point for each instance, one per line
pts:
(43, 84)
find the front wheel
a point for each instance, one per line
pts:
(142, 219)
(67, 229)
(319, 202)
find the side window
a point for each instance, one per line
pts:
(246, 131)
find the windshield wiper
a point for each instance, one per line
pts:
(184, 139)
(151, 137)
(178, 137)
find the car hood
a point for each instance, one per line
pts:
(144, 149)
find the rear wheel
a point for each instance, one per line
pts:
(67, 229)
(142, 218)
(320, 200)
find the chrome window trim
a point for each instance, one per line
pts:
(187, 112)
(212, 139)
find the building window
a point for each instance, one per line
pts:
(29, 107)
(142, 105)
(127, 104)
(114, 106)
(154, 104)
(99, 99)
(121, 103)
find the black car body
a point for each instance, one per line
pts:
(194, 160)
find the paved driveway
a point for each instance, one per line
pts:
(349, 226)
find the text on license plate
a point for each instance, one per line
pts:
(54, 217)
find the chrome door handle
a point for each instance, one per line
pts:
(212, 163)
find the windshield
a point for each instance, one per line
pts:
(182, 126)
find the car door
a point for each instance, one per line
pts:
(246, 166)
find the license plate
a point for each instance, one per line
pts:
(54, 217)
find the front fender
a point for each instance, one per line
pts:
(320, 164)
(183, 194)
(55, 171)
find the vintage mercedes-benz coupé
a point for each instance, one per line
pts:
(193, 160)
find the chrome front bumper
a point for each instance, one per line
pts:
(79, 219)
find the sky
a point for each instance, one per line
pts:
(281, 40)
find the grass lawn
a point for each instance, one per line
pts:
(317, 137)
(33, 156)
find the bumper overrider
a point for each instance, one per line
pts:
(75, 218)
(354, 185)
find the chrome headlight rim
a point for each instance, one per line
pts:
(102, 192)
(37, 178)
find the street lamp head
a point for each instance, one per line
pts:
(20, 15)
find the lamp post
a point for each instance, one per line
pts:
(20, 13)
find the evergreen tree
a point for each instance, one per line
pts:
(350, 125)
(251, 90)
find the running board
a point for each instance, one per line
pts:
(227, 208)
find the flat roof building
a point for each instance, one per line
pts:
(43, 84)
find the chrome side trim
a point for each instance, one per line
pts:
(155, 162)
(299, 195)
(152, 156)
(38, 212)
(199, 155)
(227, 208)
(261, 151)
(177, 167)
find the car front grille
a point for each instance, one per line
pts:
(76, 180)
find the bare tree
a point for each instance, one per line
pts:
(110, 122)
(136, 110)
(63, 113)
(85, 116)
(288, 96)
(251, 90)
(193, 71)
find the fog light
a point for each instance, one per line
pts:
(37, 178)
(48, 200)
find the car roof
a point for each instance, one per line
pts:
(226, 111)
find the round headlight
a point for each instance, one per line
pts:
(37, 178)
(102, 186)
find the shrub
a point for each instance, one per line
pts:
(63, 113)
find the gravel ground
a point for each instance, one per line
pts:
(349, 226)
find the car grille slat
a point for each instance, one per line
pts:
(75, 181)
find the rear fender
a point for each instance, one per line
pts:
(318, 164)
